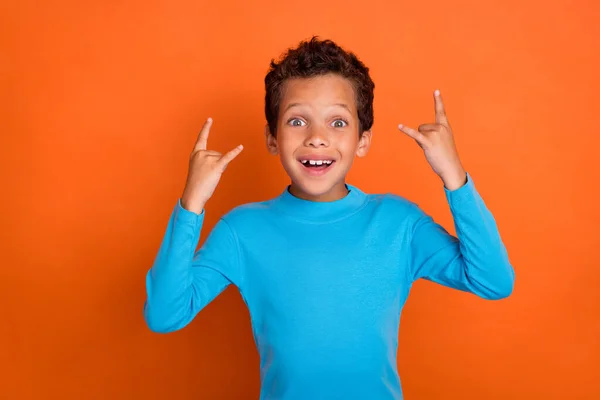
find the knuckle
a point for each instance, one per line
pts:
(198, 155)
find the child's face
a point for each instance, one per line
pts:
(318, 123)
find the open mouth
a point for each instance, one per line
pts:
(317, 164)
(316, 167)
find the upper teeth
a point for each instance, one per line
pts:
(316, 162)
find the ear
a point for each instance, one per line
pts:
(271, 141)
(364, 143)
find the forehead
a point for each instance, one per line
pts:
(319, 90)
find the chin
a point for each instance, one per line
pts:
(314, 189)
(319, 186)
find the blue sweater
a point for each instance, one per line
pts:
(325, 283)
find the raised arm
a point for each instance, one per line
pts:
(476, 261)
(182, 281)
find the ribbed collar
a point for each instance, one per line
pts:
(320, 212)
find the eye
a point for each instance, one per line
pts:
(340, 123)
(296, 122)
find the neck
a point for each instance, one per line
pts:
(321, 211)
(337, 192)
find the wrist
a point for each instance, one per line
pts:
(456, 180)
(196, 207)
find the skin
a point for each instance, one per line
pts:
(318, 117)
(205, 170)
(437, 141)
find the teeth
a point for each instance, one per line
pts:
(317, 162)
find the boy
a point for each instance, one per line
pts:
(324, 268)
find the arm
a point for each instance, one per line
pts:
(476, 261)
(183, 281)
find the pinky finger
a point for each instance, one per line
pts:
(416, 135)
(230, 155)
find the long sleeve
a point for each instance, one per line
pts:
(475, 261)
(183, 281)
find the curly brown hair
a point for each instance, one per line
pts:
(313, 58)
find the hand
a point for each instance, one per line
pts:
(437, 141)
(206, 167)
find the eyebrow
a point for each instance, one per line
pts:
(299, 104)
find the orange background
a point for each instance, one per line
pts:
(101, 103)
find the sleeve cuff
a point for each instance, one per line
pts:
(187, 216)
(463, 194)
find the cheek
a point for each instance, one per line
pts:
(289, 143)
(286, 150)
(348, 147)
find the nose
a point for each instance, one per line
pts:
(316, 138)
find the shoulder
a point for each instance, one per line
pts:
(393, 203)
(396, 209)
(399, 214)
(248, 213)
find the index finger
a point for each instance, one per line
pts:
(203, 136)
(440, 111)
